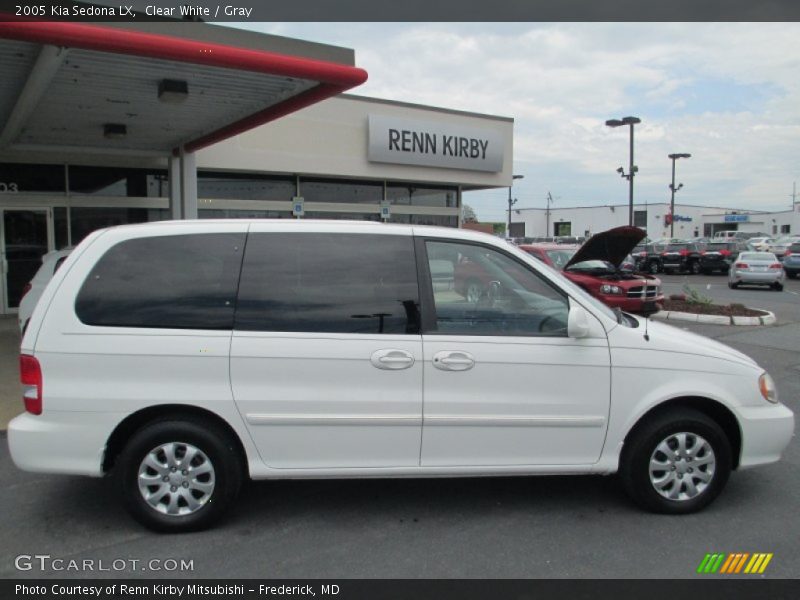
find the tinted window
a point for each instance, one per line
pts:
(480, 291)
(329, 283)
(178, 281)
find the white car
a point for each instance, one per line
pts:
(759, 244)
(756, 268)
(184, 357)
(30, 295)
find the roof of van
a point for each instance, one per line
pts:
(317, 225)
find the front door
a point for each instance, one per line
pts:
(504, 385)
(24, 240)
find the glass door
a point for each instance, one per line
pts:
(24, 239)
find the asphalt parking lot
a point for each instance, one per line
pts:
(455, 528)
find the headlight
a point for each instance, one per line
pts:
(767, 387)
(610, 289)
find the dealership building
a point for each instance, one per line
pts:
(108, 124)
(690, 221)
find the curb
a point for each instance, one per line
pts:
(667, 315)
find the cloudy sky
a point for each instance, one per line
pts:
(728, 93)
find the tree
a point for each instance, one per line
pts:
(468, 214)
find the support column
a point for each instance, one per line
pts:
(188, 185)
(174, 163)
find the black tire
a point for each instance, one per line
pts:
(733, 286)
(653, 268)
(694, 267)
(791, 274)
(778, 287)
(642, 445)
(705, 271)
(214, 442)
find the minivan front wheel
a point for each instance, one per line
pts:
(677, 462)
(179, 475)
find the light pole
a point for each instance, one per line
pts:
(673, 189)
(511, 203)
(632, 169)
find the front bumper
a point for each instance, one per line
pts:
(766, 432)
(634, 305)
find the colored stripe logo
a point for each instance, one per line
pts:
(734, 563)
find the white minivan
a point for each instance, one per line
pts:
(183, 357)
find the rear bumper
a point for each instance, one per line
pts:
(765, 278)
(69, 443)
(766, 432)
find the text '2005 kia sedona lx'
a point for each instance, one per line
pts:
(185, 357)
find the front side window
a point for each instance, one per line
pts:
(329, 283)
(176, 282)
(480, 291)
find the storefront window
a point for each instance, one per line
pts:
(17, 178)
(217, 213)
(86, 220)
(335, 190)
(60, 227)
(343, 215)
(118, 181)
(414, 195)
(244, 186)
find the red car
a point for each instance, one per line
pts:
(596, 267)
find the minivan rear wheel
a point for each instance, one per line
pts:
(677, 462)
(179, 475)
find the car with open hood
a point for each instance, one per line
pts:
(596, 266)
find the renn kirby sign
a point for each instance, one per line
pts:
(432, 144)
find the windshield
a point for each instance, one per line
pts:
(596, 266)
(560, 257)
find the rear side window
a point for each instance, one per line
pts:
(178, 281)
(329, 283)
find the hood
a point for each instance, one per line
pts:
(611, 246)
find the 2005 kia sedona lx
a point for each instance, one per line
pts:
(185, 357)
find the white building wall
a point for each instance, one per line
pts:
(331, 139)
(594, 219)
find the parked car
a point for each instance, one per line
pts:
(30, 294)
(182, 358)
(791, 260)
(684, 256)
(648, 258)
(718, 256)
(596, 266)
(781, 245)
(759, 244)
(756, 268)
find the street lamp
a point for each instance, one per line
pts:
(673, 189)
(632, 169)
(511, 202)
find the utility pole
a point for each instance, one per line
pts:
(547, 212)
(511, 203)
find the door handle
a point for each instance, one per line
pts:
(453, 361)
(392, 360)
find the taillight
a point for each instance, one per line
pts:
(684, 253)
(663, 254)
(725, 252)
(703, 252)
(742, 266)
(642, 254)
(776, 266)
(787, 253)
(25, 290)
(30, 374)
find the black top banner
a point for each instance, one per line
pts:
(405, 11)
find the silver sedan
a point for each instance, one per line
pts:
(756, 268)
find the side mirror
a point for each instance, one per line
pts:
(577, 322)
